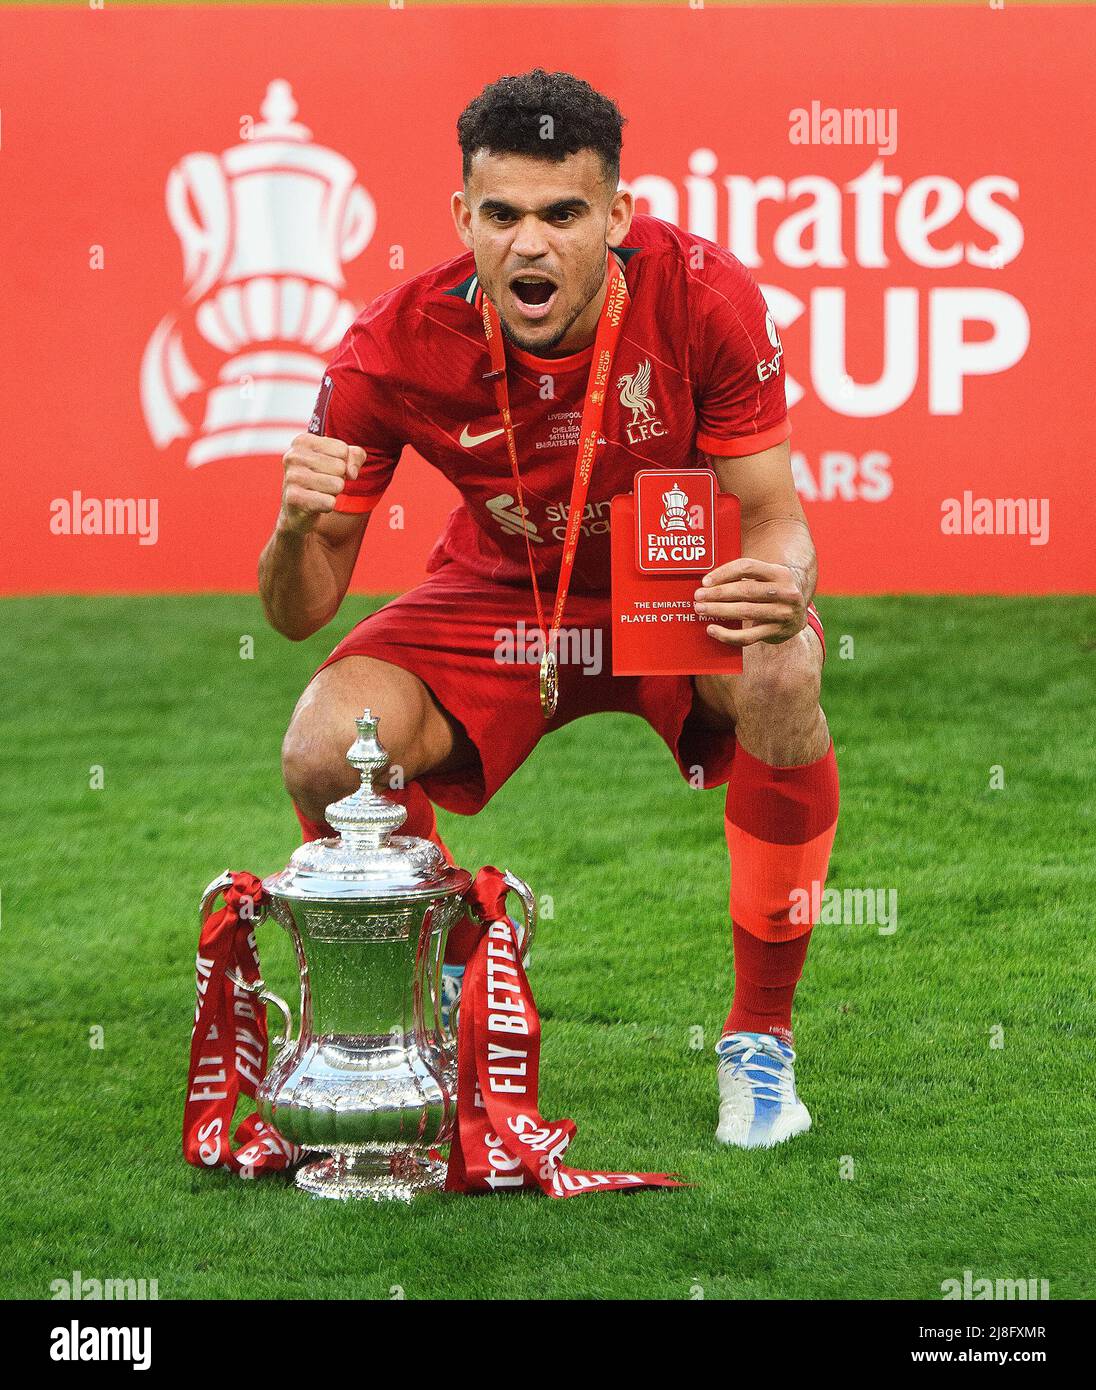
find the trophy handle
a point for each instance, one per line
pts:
(258, 987)
(219, 884)
(529, 911)
(427, 984)
(437, 1050)
(284, 1041)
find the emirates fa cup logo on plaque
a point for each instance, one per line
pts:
(266, 228)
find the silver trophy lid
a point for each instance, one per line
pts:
(367, 859)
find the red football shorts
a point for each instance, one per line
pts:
(457, 632)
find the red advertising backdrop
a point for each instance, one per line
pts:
(197, 201)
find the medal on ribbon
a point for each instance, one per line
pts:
(549, 683)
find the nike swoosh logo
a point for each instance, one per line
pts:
(469, 441)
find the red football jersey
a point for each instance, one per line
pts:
(698, 365)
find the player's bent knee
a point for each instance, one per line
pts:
(314, 766)
(779, 676)
(311, 773)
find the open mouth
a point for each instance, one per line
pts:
(533, 294)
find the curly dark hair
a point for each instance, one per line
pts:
(548, 115)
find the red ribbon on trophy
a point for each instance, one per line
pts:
(501, 1143)
(228, 1048)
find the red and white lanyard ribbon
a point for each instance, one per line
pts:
(228, 1048)
(609, 325)
(501, 1143)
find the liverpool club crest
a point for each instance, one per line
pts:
(635, 395)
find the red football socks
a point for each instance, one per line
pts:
(780, 824)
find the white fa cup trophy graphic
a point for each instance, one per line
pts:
(266, 228)
(675, 517)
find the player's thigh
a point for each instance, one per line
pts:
(418, 735)
(774, 676)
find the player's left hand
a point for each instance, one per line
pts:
(767, 598)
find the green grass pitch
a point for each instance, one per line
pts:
(948, 1066)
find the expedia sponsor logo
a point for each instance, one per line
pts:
(319, 414)
(770, 368)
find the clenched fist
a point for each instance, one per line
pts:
(316, 470)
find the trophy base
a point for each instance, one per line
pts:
(381, 1173)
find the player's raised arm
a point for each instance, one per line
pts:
(305, 568)
(334, 476)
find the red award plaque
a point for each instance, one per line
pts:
(666, 536)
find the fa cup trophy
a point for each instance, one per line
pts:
(370, 1078)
